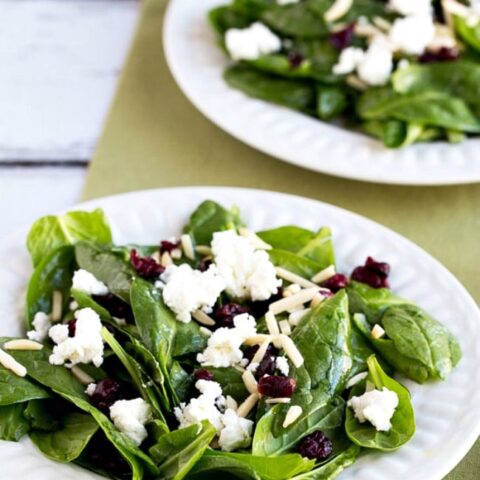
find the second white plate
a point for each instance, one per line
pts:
(197, 63)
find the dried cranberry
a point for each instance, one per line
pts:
(373, 273)
(342, 38)
(115, 306)
(103, 455)
(168, 246)
(295, 59)
(444, 54)
(204, 264)
(203, 375)
(107, 392)
(146, 267)
(260, 308)
(315, 446)
(336, 282)
(275, 386)
(225, 314)
(72, 327)
(382, 268)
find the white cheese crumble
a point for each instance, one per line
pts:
(348, 61)
(411, 7)
(187, 290)
(281, 364)
(236, 431)
(251, 42)
(41, 324)
(87, 344)
(130, 417)
(376, 406)
(223, 347)
(86, 282)
(412, 34)
(286, 2)
(377, 64)
(90, 390)
(248, 273)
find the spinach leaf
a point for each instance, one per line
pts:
(290, 238)
(251, 466)
(178, 451)
(43, 414)
(360, 350)
(333, 467)
(394, 133)
(107, 267)
(67, 443)
(208, 218)
(331, 101)
(13, 424)
(359, 8)
(295, 263)
(53, 272)
(231, 382)
(293, 93)
(225, 17)
(403, 420)
(471, 35)
(15, 389)
(51, 232)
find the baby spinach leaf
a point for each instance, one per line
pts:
(359, 8)
(177, 452)
(331, 101)
(226, 16)
(53, 272)
(360, 350)
(289, 237)
(333, 467)
(295, 263)
(470, 34)
(249, 466)
(66, 444)
(210, 217)
(403, 420)
(43, 414)
(231, 382)
(15, 389)
(13, 424)
(51, 232)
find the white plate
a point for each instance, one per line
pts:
(197, 63)
(448, 416)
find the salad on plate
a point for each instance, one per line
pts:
(403, 71)
(219, 353)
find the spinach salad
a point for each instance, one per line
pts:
(403, 71)
(220, 353)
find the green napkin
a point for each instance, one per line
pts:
(155, 138)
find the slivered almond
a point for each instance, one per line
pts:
(285, 327)
(377, 331)
(205, 331)
(295, 317)
(187, 246)
(247, 405)
(257, 339)
(317, 300)
(356, 378)
(456, 8)
(292, 415)
(11, 364)
(56, 306)
(249, 381)
(231, 403)
(290, 303)
(156, 256)
(367, 30)
(203, 250)
(324, 274)
(166, 259)
(256, 241)
(201, 317)
(291, 350)
(293, 278)
(176, 253)
(337, 10)
(278, 400)
(272, 323)
(239, 368)
(356, 83)
(262, 350)
(22, 344)
(82, 376)
(292, 289)
(381, 23)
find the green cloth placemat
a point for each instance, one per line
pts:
(155, 138)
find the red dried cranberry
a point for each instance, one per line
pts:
(168, 246)
(107, 392)
(295, 59)
(315, 446)
(444, 54)
(72, 327)
(336, 282)
(204, 264)
(275, 386)
(382, 268)
(260, 308)
(373, 273)
(103, 455)
(225, 314)
(115, 306)
(267, 365)
(146, 267)
(203, 375)
(342, 38)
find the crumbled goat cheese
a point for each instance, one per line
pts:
(236, 431)
(248, 273)
(251, 42)
(376, 406)
(223, 347)
(130, 417)
(90, 390)
(286, 2)
(41, 324)
(87, 344)
(85, 282)
(187, 290)
(281, 364)
(377, 64)
(348, 61)
(411, 7)
(412, 34)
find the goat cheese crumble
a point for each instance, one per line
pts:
(348, 61)
(84, 347)
(411, 7)
(377, 64)
(187, 290)
(281, 364)
(90, 390)
(41, 325)
(412, 34)
(236, 431)
(248, 273)
(130, 417)
(251, 42)
(375, 406)
(87, 283)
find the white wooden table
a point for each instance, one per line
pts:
(59, 63)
